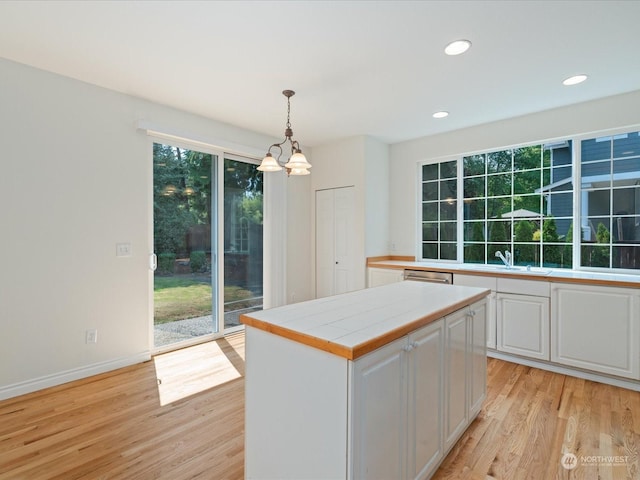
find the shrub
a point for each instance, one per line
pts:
(166, 263)
(198, 261)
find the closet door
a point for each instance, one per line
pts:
(334, 241)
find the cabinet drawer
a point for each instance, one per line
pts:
(523, 287)
(475, 281)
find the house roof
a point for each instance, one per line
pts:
(359, 67)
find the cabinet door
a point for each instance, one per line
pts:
(383, 276)
(477, 357)
(483, 282)
(379, 413)
(597, 328)
(425, 384)
(456, 365)
(523, 325)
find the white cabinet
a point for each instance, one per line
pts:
(523, 318)
(465, 369)
(380, 398)
(477, 357)
(335, 241)
(491, 284)
(456, 385)
(425, 447)
(523, 325)
(383, 276)
(596, 328)
(397, 394)
(310, 414)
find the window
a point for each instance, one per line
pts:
(522, 200)
(610, 201)
(439, 210)
(519, 200)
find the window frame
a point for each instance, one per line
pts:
(576, 192)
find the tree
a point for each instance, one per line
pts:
(182, 200)
(600, 253)
(567, 252)
(523, 252)
(474, 252)
(552, 254)
(549, 230)
(170, 214)
(498, 239)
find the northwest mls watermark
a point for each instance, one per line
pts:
(569, 461)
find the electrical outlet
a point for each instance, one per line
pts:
(91, 336)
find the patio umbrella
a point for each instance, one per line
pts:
(521, 213)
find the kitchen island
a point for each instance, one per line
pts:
(377, 383)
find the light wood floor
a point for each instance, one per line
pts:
(124, 425)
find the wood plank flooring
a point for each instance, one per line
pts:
(127, 425)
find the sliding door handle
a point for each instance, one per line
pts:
(153, 262)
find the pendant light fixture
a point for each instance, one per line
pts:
(297, 164)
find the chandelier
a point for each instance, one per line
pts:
(297, 164)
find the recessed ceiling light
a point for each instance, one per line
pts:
(440, 114)
(576, 79)
(457, 47)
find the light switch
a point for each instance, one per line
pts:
(123, 249)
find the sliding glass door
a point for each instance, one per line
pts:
(206, 206)
(242, 236)
(184, 240)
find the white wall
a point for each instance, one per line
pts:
(300, 280)
(342, 164)
(376, 198)
(361, 162)
(607, 113)
(75, 180)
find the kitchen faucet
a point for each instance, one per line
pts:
(506, 258)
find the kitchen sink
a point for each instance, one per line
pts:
(503, 269)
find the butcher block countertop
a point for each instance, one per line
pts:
(353, 324)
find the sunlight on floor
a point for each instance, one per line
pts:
(192, 370)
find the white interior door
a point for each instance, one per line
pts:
(343, 239)
(335, 235)
(325, 234)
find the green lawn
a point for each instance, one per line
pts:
(177, 298)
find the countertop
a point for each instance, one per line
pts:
(540, 274)
(353, 324)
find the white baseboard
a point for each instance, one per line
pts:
(573, 372)
(21, 388)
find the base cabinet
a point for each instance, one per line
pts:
(456, 384)
(414, 398)
(596, 328)
(310, 414)
(523, 325)
(483, 282)
(477, 357)
(397, 395)
(588, 330)
(465, 370)
(377, 277)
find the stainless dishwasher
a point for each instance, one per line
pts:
(433, 277)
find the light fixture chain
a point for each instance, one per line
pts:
(288, 112)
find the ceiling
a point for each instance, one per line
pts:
(358, 67)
